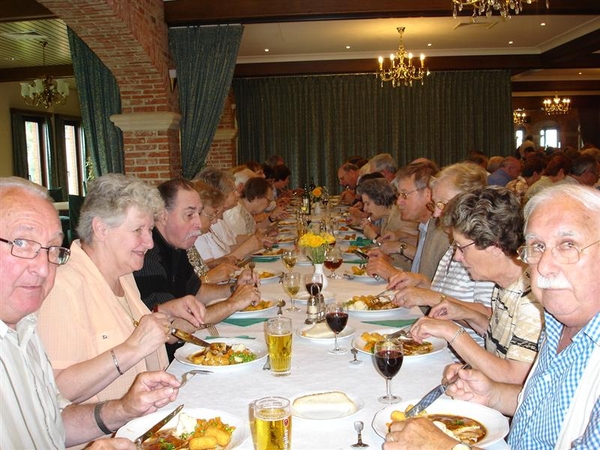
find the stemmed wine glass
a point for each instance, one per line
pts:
(388, 357)
(337, 318)
(289, 259)
(333, 260)
(291, 285)
(313, 283)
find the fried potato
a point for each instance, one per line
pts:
(358, 271)
(203, 443)
(222, 437)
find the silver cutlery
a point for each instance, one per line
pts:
(267, 365)
(212, 329)
(433, 395)
(355, 360)
(280, 304)
(138, 442)
(402, 334)
(358, 426)
(189, 375)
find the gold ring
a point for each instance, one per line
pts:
(168, 330)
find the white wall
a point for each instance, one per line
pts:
(10, 97)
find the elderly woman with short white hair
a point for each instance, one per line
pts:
(107, 334)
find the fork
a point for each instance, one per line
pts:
(189, 375)
(251, 266)
(212, 329)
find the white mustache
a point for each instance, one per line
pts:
(194, 233)
(554, 282)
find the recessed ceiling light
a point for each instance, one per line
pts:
(543, 24)
(510, 42)
(347, 47)
(580, 73)
(429, 45)
(266, 49)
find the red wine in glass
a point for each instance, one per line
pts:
(314, 288)
(337, 321)
(389, 362)
(333, 265)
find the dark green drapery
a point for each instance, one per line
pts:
(317, 122)
(205, 60)
(99, 98)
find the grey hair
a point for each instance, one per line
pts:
(383, 161)
(109, 198)
(464, 176)
(218, 179)
(379, 190)
(7, 183)
(488, 216)
(584, 195)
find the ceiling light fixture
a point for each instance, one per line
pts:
(45, 91)
(488, 7)
(401, 70)
(519, 116)
(556, 105)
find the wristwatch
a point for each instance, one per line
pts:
(375, 240)
(462, 446)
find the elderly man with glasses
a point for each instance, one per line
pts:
(559, 405)
(33, 414)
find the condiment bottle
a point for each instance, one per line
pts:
(312, 310)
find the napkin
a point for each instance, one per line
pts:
(246, 322)
(391, 323)
(326, 405)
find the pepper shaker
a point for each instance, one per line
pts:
(312, 310)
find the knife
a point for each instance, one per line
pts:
(187, 337)
(244, 262)
(433, 395)
(157, 427)
(361, 254)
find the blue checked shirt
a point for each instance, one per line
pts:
(548, 392)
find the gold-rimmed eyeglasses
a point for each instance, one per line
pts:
(405, 195)
(564, 253)
(26, 249)
(211, 217)
(439, 205)
(462, 248)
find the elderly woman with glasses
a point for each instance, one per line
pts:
(255, 198)
(486, 225)
(108, 336)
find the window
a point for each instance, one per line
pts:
(74, 156)
(519, 136)
(36, 135)
(549, 138)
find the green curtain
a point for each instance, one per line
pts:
(99, 98)
(19, 144)
(205, 60)
(317, 122)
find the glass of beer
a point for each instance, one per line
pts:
(279, 341)
(272, 424)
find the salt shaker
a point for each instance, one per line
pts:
(320, 308)
(312, 310)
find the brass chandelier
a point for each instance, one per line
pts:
(519, 116)
(556, 105)
(45, 91)
(488, 7)
(401, 69)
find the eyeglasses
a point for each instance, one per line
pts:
(565, 253)
(439, 205)
(211, 217)
(405, 195)
(455, 246)
(26, 249)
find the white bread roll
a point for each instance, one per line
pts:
(324, 405)
(319, 331)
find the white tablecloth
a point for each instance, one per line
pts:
(313, 369)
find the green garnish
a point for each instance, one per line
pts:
(164, 445)
(238, 358)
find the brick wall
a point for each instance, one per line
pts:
(223, 151)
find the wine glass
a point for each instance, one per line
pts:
(333, 260)
(337, 318)
(291, 285)
(289, 259)
(313, 283)
(388, 357)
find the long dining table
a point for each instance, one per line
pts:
(313, 368)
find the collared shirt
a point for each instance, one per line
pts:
(554, 392)
(516, 322)
(30, 404)
(420, 244)
(217, 242)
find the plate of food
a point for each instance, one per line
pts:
(302, 297)
(470, 422)
(358, 273)
(369, 306)
(412, 349)
(223, 355)
(325, 405)
(268, 255)
(261, 309)
(320, 332)
(211, 428)
(268, 277)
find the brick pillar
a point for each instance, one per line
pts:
(130, 37)
(223, 150)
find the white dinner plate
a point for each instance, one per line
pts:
(494, 422)
(256, 313)
(258, 348)
(303, 261)
(438, 344)
(302, 297)
(137, 427)
(363, 278)
(367, 314)
(275, 277)
(325, 410)
(346, 333)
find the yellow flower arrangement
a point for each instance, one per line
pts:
(317, 193)
(316, 245)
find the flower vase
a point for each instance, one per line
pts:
(317, 208)
(319, 268)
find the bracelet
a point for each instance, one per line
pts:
(205, 278)
(112, 353)
(460, 331)
(99, 420)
